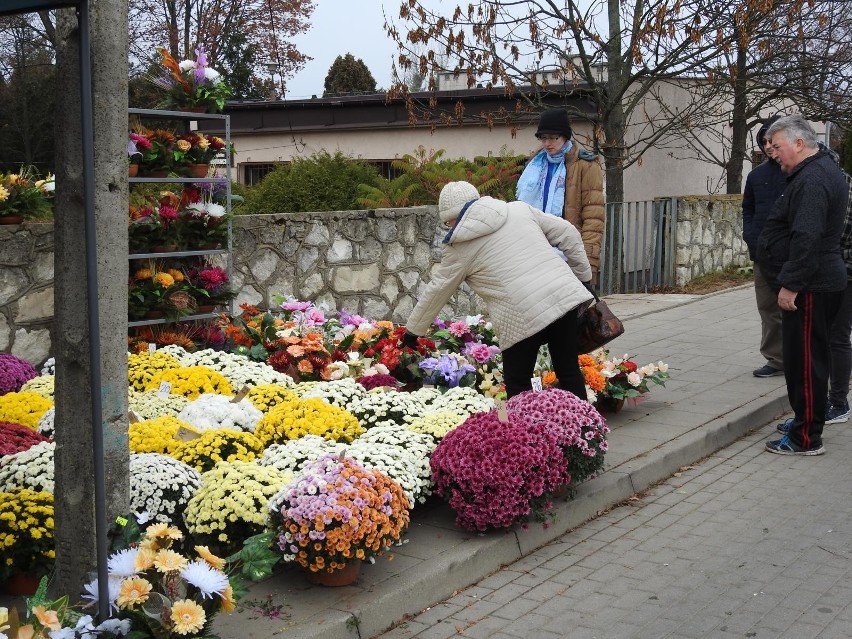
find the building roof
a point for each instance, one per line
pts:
(377, 111)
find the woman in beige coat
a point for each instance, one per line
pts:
(502, 250)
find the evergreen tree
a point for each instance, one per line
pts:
(348, 75)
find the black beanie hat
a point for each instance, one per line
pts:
(761, 134)
(554, 122)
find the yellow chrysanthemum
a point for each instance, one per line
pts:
(176, 275)
(214, 446)
(23, 408)
(134, 591)
(187, 616)
(296, 418)
(4, 194)
(192, 381)
(143, 274)
(164, 279)
(143, 367)
(265, 397)
(169, 560)
(157, 435)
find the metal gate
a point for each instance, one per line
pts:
(638, 247)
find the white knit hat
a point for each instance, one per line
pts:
(453, 198)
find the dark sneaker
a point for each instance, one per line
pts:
(784, 446)
(837, 413)
(784, 427)
(767, 371)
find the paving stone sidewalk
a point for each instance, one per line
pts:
(743, 544)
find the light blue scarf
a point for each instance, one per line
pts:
(531, 183)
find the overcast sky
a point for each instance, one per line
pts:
(339, 27)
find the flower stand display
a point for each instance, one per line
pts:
(179, 270)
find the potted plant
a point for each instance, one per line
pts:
(195, 151)
(211, 287)
(155, 294)
(336, 514)
(136, 144)
(190, 85)
(158, 156)
(26, 536)
(23, 196)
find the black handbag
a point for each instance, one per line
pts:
(596, 326)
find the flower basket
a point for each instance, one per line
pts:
(190, 85)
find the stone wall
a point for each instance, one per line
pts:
(26, 290)
(374, 263)
(709, 235)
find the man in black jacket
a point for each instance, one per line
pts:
(799, 253)
(764, 184)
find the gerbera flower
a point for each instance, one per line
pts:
(216, 562)
(209, 581)
(169, 560)
(145, 559)
(228, 602)
(133, 591)
(161, 530)
(187, 616)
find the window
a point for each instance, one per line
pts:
(254, 173)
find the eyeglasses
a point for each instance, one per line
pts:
(549, 138)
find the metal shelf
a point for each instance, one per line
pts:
(142, 256)
(177, 179)
(166, 320)
(177, 115)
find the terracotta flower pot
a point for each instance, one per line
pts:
(11, 219)
(20, 584)
(132, 170)
(154, 314)
(205, 308)
(197, 170)
(164, 248)
(346, 576)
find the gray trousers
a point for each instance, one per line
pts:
(770, 321)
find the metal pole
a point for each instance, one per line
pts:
(87, 112)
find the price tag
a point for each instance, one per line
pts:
(133, 417)
(121, 521)
(186, 435)
(152, 347)
(502, 410)
(164, 390)
(241, 395)
(536, 384)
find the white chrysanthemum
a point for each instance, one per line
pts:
(49, 367)
(462, 400)
(123, 563)
(380, 408)
(45, 424)
(209, 581)
(215, 210)
(211, 74)
(178, 352)
(212, 412)
(186, 65)
(336, 392)
(161, 486)
(291, 456)
(237, 369)
(405, 467)
(31, 468)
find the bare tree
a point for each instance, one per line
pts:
(784, 55)
(615, 54)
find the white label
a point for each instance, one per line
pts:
(133, 417)
(502, 410)
(152, 347)
(536, 384)
(164, 390)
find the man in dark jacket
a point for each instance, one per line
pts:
(799, 253)
(764, 184)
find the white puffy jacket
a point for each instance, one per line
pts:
(502, 250)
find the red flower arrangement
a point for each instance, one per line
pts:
(495, 474)
(377, 381)
(401, 361)
(304, 358)
(15, 438)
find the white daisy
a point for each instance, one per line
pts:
(123, 563)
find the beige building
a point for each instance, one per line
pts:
(371, 128)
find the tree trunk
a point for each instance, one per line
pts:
(76, 547)
(739, 128)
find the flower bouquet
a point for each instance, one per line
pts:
(26, 532)
(495, 474)
(616, 379)
(157, 150)
(190, 84)
(23, 196)
(164, 593)
(336, 512)
(448, 370)
(196, 149)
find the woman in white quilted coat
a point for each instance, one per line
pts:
(502, 250)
